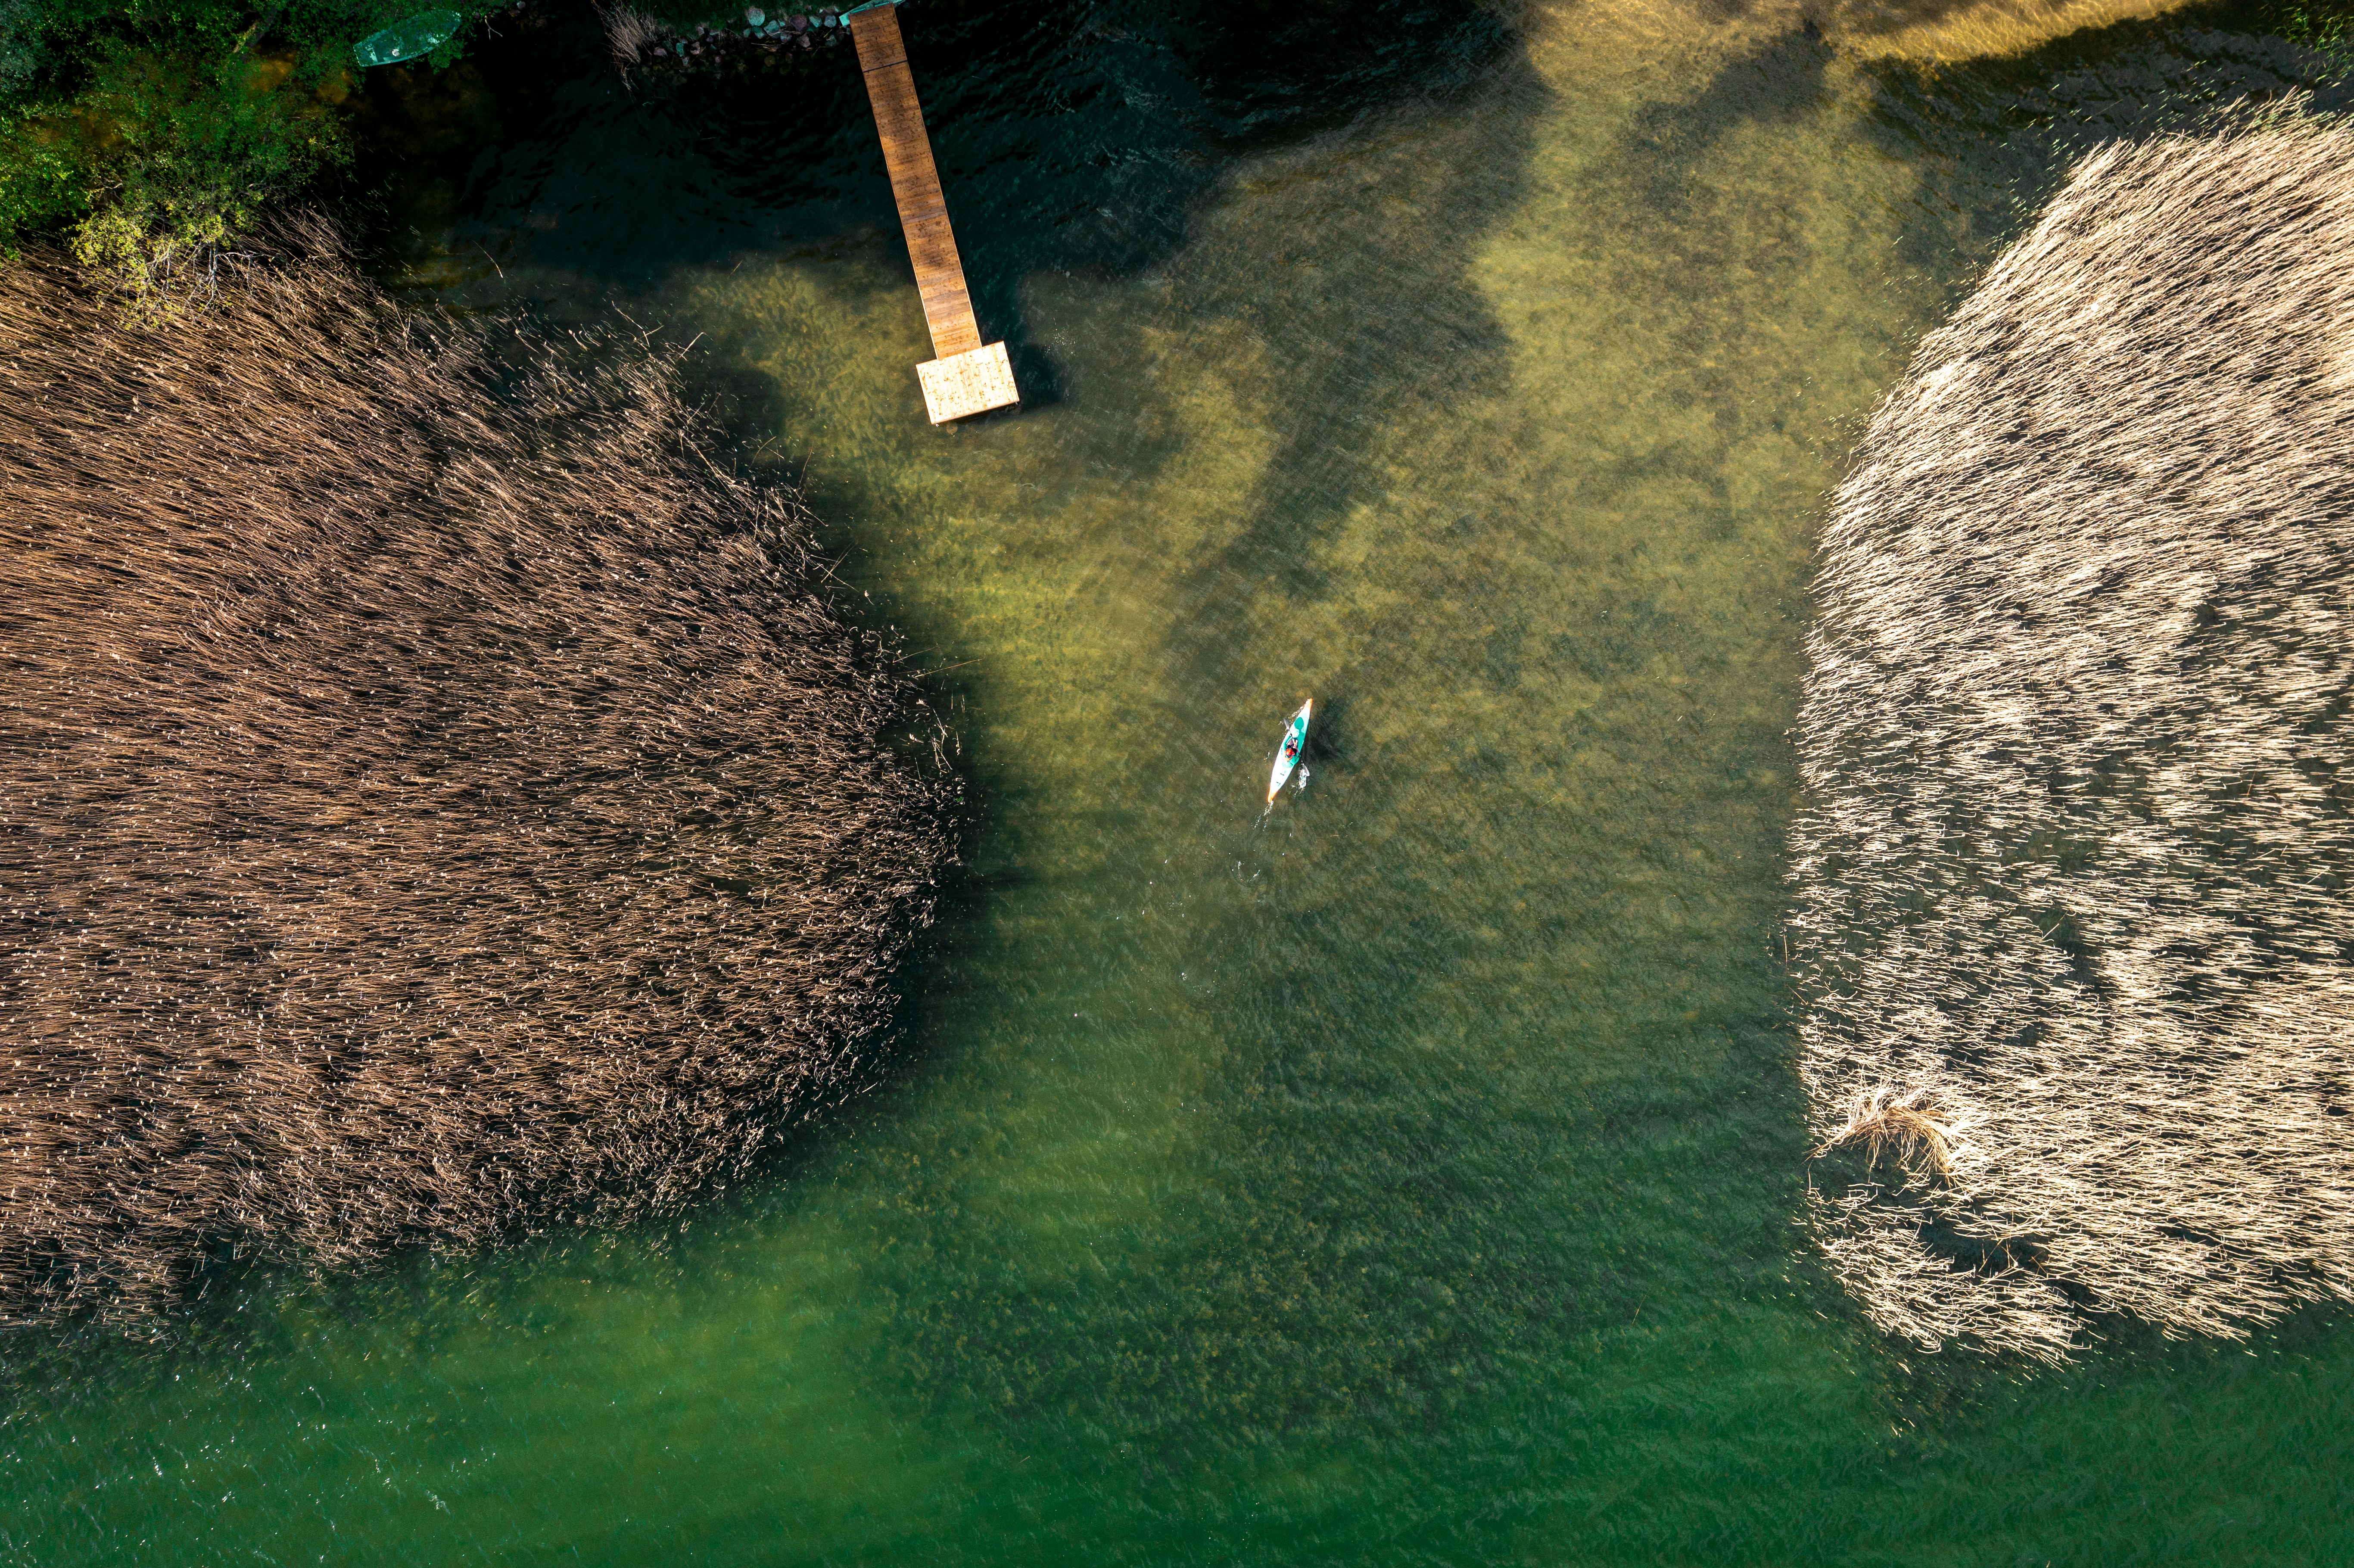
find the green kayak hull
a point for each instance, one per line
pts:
(405, 40)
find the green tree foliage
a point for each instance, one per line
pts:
(151, 132)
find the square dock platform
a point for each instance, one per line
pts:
(970, 383)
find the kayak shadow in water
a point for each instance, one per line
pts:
(1327, 746)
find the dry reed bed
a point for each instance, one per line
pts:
(431, 804)
(2071, 911)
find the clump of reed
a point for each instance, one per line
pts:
(435, 799)
(2071, 913)
(1900, 1123)
(629, 34)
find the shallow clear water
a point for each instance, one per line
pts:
(1402, 1174)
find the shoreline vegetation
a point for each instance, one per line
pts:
(152, 140)
(149, 139)
(435, 800)
(2072, 926)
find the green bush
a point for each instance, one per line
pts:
(153, 132)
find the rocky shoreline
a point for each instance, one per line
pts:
(642, 43)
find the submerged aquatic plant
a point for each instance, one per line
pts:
(2073, 870)
(434, 799)
(2326, 28)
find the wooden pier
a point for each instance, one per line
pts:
(969, 377)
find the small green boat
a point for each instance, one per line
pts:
(405, 40)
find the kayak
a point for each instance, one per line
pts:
(419, 34)
(1295, 735)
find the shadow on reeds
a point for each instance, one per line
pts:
(443, 802)
(2075, 727)
(1999, 135)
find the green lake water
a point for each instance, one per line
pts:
(1406, 1174)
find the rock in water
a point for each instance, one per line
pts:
(2071, 911)
(434, 800)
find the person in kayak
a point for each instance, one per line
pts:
(1295, 740)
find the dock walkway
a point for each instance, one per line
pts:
(969, 377)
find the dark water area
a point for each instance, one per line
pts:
(1406, 1173)
(1087, 133)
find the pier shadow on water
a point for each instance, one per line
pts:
(1070, 137)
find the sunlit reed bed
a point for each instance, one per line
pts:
(2070, 882)
(1965, 30)
(435, 799)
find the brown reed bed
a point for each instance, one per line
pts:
(2070, 882)
(435, 800)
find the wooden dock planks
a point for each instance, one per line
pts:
(968, 376)
(915, 183)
